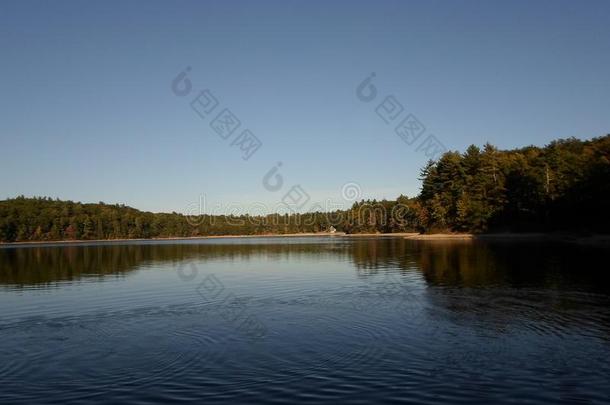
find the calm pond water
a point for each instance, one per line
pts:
(305, 320)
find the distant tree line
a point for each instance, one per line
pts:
(564, 186)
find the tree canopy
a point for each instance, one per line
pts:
(564, 186)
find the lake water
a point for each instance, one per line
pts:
(305, 320)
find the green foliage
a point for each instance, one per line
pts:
(563, 186)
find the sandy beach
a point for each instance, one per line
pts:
(555, 237)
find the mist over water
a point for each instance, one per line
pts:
(304, 320)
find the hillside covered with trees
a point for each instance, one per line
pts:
(564, 186)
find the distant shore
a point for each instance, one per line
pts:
(592, 239)
(80, 241)
(270, 235)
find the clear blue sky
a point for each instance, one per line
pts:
(87, 110)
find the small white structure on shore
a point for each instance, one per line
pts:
(332, 229)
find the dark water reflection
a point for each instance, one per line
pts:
(337, 320)
(449, 263)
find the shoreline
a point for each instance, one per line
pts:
(405, 235)
(271, 235)
(537, 237)
(85, 241)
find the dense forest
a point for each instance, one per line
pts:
(564, 186)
